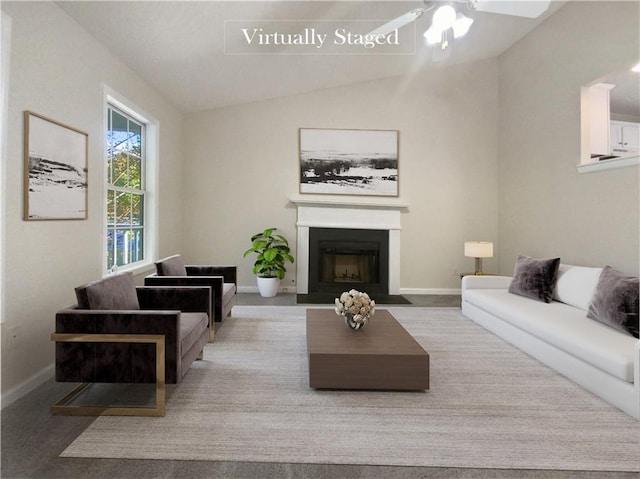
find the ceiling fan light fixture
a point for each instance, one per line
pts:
(433, 35)
(444, 18)
(462, 25)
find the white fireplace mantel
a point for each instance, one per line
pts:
(350, 203)
(350, 214)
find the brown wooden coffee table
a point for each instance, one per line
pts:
(383, 355)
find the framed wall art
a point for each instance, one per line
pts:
(55, 170)
(349, 162)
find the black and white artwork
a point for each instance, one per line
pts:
(349, 162)
(55, 170)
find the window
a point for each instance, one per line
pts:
(126, 189)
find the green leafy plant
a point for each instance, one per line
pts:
(272, 252)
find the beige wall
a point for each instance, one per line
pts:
(57, 70)
(243, 168)
(546, 207)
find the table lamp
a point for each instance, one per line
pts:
(478, 250)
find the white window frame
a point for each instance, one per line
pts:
(151, 125)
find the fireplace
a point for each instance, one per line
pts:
(367, 218)
(343, 259)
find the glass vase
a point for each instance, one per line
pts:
(353, 324)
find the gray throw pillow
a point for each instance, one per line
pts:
(116, 292)
(171, 266)
(615, 301)
(535, 278)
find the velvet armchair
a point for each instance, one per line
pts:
(105, 337)
(221, 279)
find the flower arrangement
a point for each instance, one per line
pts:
(356, 307)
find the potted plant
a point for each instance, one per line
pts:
(272, 252)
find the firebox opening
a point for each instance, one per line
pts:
(341, 259)
(342, 263)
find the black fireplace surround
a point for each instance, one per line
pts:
(344, 259)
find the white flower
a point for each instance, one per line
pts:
(357, 303)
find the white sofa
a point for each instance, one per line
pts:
(599, 358)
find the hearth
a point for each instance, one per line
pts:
(342, 259)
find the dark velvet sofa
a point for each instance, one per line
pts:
(114, 305)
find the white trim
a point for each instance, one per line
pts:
(26, 386)
(5, 53)
(427, 291)
(152, 141)
(608, 164)
(323, 202)
(254, 289)
(415, 291)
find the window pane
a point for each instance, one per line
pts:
(111, 207)
(120, 169)
(135, 172)
(137, 210)
(119, 127)
(109, 148)
(118, 122)
(123, 208)
(110, 234)
(120, 247)
(137, 244)
(127, 255)
(135, 138)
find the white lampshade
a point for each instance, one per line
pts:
(478, 249)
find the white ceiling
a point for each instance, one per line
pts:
(178, 46)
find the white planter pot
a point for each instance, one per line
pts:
(268, 287)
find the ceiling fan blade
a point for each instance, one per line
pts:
(523, 8)
(399, 22)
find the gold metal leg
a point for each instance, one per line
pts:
(212, 331)
(62, 407)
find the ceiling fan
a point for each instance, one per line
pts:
(448, 21)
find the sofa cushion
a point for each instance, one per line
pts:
(563, 326)
(535, 278)
(192, 325)
(171, 266)
(615, 302)
(116, 292)
(576, 285)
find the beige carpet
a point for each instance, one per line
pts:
(489, 406)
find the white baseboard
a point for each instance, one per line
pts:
(292, 289)
(430, 291)
(254, 289)
(27, 386)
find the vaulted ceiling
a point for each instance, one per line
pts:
(179, 46)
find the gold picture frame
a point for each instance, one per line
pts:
(55, 170)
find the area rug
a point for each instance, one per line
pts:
(489, 406)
